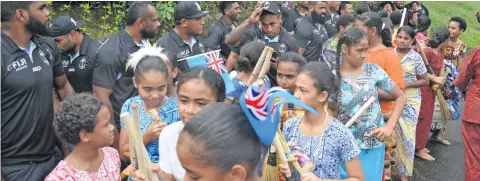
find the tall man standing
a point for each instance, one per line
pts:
(79, 52)
(30, 70)
(183, 41)
(220, 30)
(110, 82)
(311, 33)
(271, 34)
(332, 17)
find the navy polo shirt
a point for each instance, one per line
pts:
(79, 68)
(27, 104)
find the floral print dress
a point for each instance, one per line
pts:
(404, 134)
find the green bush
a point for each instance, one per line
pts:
(103, 19)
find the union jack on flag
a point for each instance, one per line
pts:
(261, 109)
(215, 61)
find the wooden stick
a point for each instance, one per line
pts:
(138, 152)
(259, 64)
(155, 117)
(266, 64)
(360, 112)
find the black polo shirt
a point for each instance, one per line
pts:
(311, 37)
(27, 104)
(109, 69)
(330, 23)
(178, 49)
(79, 70)
(284, 43)
(288, 18)
(298, 17)
(216, 37)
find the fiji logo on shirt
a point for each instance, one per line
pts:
(202, 49)
(316, 31)
(17, 65)
(42, 55)
(183, 54)
(282, 48)
(82, 63)
(65, 63)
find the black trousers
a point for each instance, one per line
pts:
(33, 171)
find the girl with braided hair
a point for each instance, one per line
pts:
(358, 82)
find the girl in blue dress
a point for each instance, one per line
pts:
(324, 139)
(151, 78)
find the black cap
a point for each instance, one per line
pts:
(65, 24)
(271, 7)
(188, 10)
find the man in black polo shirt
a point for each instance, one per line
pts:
(110, 81)
(79, 52)
(221, 28)
(30, 70)
(271, 33)
(311, 32)
(183, 41)
(300, 11)
(331, 17)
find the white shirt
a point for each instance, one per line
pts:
(169, 162)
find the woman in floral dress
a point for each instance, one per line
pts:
(454, 54)
(415, 76)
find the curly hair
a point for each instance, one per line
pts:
(77, 112)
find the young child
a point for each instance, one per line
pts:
(246, 62)
(288, 68)
(359, 82)
(83, 121)
(324, 139)
(151, 79)
(197, 87)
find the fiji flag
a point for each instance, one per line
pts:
(213, 60)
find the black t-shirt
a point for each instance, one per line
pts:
(311, 37)
(285, 43)
(110, 72)
(79, 71)
(288, 18)
(178, 49)
(330, 23)
(216, 37)
(298, 17)
(27, 104)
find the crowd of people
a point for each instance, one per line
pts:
(62, 120)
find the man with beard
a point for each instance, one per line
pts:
(271, 34)
(221, 28)
(79, 52)
(110, 82)
(399, 5)
(183, 41)
(311, 32)
(30, 70)
(345, 8)
(331, 17)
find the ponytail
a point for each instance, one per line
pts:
(386, 36)
(441, 35)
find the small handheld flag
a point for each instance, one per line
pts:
(263, 111)
(215, 61)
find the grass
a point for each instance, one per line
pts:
(441, 12)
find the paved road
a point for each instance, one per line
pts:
(449, 160)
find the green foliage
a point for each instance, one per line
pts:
(165, 11)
